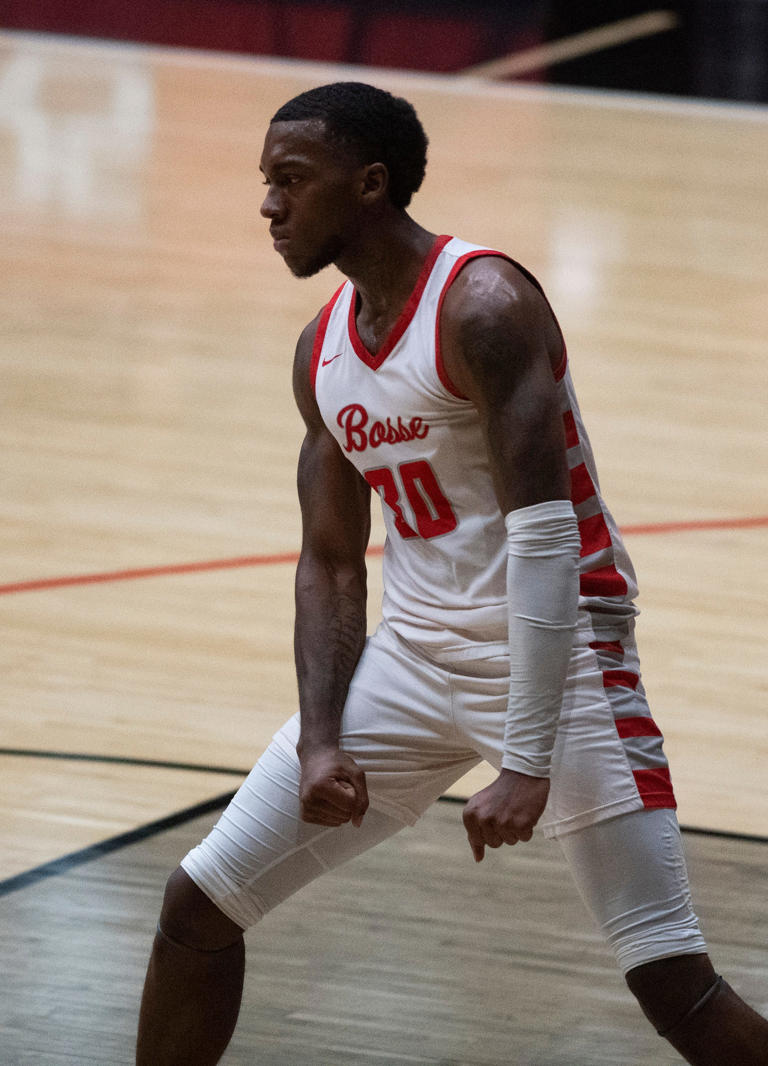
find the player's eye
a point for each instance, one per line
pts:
(282, 180)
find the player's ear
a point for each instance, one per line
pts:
(375, 182)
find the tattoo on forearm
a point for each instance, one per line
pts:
(330, 636)
(346, 638)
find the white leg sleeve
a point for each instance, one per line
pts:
(260, 852)
(631, 873)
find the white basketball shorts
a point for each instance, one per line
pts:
(414, 727)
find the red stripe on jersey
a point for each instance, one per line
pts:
(582, 485)
(614, 646)
(405, 317)
(623, 678)
(655, 787)
(594, 535)
(320, 336)
(460, 263)
(605, 581)
(641, 726)
(571, 433)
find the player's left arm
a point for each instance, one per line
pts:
(501, 346)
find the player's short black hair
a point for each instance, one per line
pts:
(375, 125)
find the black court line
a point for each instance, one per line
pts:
(722, 834)
(125, 760)
(122, 840)
(95, 851)
(78, 858)
(238, 771)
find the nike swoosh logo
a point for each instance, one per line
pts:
(325, 362)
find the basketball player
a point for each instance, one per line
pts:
(437, 377)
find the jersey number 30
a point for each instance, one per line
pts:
(432, 511)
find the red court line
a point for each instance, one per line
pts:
(292, 557)
(150, 571)
(694, 526)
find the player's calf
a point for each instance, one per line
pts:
(699, 1013)
(194, 981)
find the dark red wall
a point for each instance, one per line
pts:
(439, 37)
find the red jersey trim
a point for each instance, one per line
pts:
(594, 533)
(571, 432)
(320, 335)
(406, 315)
(601, 581)
(458, 266)
(582, 486)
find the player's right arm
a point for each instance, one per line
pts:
(331, 594)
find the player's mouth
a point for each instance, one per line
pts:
(279, 241)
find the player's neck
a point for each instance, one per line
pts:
(385, 267)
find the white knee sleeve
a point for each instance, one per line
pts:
(631, 873)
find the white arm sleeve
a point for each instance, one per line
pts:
(543, 590)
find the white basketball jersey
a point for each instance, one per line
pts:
(417, 441)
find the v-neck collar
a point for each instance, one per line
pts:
(405, 317)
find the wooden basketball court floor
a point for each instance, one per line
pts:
(150, 528)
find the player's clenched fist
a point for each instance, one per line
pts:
(504, 812)
(332, 789)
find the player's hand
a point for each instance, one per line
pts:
(505, 811)
(332, 790)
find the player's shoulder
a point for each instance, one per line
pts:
(490, 282)
(496, 313)
(306, 342)
(313, 331)
(302, 364)
(306, 357)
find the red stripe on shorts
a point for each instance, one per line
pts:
(640, 726)
(655, 787)
(605, 581)
(625, 678)
(613, 646)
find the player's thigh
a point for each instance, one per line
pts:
(396, 725)
(399, 726)
(631, 873)
(260, 851)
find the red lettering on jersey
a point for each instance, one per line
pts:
(354, 420)
(377, 435)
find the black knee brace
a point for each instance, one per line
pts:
(712, 992)
(188, 947)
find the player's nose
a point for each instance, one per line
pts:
(271, 206)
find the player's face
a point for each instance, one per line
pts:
(312, 200)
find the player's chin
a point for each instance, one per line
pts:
(311, 262)
(303, 268)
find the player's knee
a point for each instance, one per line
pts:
(190, 918)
